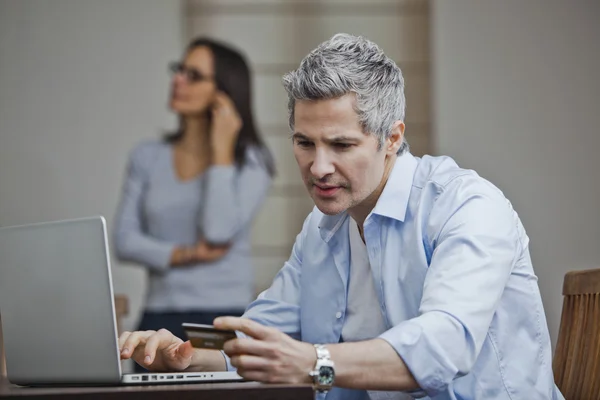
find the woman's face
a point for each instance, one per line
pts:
(193, 86)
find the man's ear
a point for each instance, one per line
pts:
(394, 141)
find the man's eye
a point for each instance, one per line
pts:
(342, 145)
(303, 143)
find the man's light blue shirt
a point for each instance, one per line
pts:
(454, 280)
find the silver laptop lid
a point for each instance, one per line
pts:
(56, 302)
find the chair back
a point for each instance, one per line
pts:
(576, 361)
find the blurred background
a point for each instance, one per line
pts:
(508, 88)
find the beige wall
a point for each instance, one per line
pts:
(81, 81)
(517, 99)
(276, 35)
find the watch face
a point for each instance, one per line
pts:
(326, 375)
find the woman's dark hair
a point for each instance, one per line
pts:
(232, 76)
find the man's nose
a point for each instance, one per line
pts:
(322, 165)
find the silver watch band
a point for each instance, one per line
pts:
(323, 361)
(322, 352)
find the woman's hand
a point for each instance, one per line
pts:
(201, 252)
(225, 128)
(206, 252)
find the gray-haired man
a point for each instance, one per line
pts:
(410, 275)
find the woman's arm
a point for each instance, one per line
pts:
(233, 197)
(130, 240)
(132, 243)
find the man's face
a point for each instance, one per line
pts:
(341, 166)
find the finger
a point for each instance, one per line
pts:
(216, 253)
(220, 101)
(185, 350)
(247, 326)
(224, 104)
(250, 363)
(257, 376)
(246, 346)
(220, 253)
(161, 339)
(133, 341)
(201, 253)
(123, 339)
(219, 246)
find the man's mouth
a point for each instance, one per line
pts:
(323, 187)
(326, 191)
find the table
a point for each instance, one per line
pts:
(197, 391)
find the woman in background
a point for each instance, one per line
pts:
(188, 200)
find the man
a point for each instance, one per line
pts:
(410, 276)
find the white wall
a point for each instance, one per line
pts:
(81, 81)
(517, 98)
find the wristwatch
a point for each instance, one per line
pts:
(323, 374)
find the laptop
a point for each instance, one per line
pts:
(57, 307)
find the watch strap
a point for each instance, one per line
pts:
(322, 352)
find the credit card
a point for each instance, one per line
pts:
(207, 336)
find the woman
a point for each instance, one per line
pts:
(189, 199)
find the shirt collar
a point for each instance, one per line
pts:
(392, 202)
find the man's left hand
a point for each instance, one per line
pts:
(269, 355)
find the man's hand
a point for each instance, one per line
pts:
(156, 351)
(270, 356)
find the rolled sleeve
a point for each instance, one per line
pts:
(423, 355)
(475, 245)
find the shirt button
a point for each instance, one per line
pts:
(338, 314)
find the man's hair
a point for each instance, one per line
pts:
(352, 64)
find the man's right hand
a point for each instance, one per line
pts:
(156, 350)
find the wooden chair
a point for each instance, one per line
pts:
(577, 356)
(121, 310)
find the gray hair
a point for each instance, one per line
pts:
(352, 64)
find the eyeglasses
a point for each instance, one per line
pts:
(192, 75)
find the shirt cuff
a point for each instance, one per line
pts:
(423, 356)
(163, 255)
(228, 366)
(227, 359)
(155, 255)
(417, 393)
